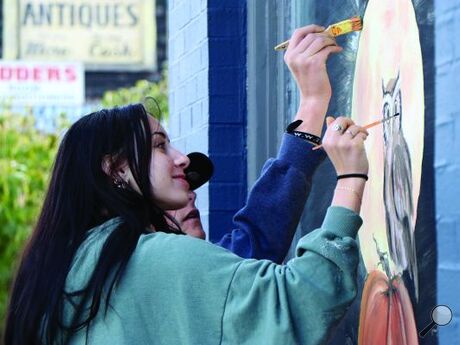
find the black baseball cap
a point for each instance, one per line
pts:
(199, 171)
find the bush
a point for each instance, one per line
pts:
(139, 92)
(26, 156)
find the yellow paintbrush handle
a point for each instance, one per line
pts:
(337, 29)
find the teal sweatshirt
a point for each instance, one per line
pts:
(181, 290)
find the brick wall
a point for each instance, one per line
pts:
(447, 162)
(188, 61)
(207, 97)
(227, 111)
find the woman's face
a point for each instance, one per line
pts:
(167, 177)
(169, 186)
(189, 219)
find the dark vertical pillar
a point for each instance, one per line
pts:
(227, 112)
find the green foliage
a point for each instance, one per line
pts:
(139, 92)
(26, 157)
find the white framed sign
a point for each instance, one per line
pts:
(28, 83)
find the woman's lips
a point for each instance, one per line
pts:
(182, 179)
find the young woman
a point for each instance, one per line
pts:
(103, 265)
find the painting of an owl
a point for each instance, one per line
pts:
(397, 185)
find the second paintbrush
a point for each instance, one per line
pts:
(337, 29)
(372, 124)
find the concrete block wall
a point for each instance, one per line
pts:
(188, 68)
(447, 162)
(207, 99)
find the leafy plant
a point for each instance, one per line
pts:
(138, 94)
(26, 156)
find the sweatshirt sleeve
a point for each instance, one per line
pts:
(281, 191)
(182, 290)
(300, 302)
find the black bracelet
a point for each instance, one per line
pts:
(364, 176)
(305, 136)
(293, 125)
(308, 137)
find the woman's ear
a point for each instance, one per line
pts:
(119, 172)
(106, 165)
(115, 169)
(123, 172)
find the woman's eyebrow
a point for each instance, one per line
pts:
(162, 134)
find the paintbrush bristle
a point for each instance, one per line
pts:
(345, 26)
(356, 23)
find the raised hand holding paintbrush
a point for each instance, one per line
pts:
(306, 58)
(348, 130)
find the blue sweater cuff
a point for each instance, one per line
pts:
(342, 221)
(298, 153)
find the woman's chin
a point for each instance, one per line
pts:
(172, 205)
(193, 227)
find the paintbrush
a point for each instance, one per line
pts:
(372, 124)
(337, 29)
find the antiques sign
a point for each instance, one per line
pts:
(103, 34)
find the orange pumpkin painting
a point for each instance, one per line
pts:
(386, 316)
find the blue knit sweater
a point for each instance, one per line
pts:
(281, 191)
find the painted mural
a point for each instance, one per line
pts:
(384, 70)
(389, 85)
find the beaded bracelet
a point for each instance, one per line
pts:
(350, 190)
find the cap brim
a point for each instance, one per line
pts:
(199, 171)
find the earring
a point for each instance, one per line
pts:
(120, 183)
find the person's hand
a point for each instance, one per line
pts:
(344, 144)
(306, 56)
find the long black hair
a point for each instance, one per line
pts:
(81, 196)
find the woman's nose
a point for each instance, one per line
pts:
(181, 160)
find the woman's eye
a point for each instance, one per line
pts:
(161, 145)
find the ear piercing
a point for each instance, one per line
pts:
(120, 183)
